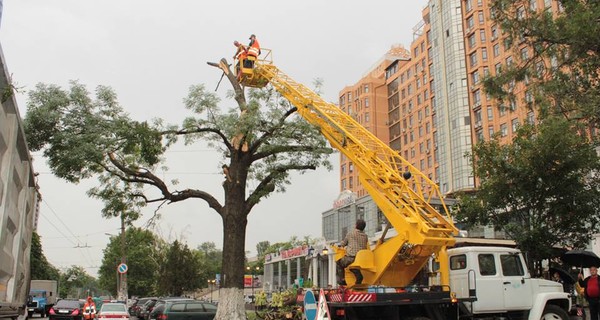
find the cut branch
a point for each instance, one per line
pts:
(239, 91)
(285, 149)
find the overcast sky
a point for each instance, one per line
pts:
(150, 52)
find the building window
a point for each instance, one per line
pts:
(478, 118)
(427, 127)
(530, 117)
(484, 55)
(470, 23)
(528, 97)
(351, 167)
(502, 110)
(509, 61)
(486, 71)
(498, 68)
(367, 118)
(366, 88)
(477, 98)
(480, 15)
(468, 5)
(366, 102)
(479, 136)
(482, 36)
(475, 77)
(496, 50)
(503, 130)
(343, 170)
(533, 5)
(494, 32)
(344, 184)
(524, 54)
(520, 13)
(490, 113)
(471, 40)
(491, 131)
(473, 59)
(351, 182)
(547, 3)
(515, 125)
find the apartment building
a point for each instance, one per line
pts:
(366, 102)
(488, 51)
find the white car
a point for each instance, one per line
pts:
(112, 311)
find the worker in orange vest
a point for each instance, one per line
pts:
(241, 54)
(89, 309)
(253, 50)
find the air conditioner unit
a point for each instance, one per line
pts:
(427, 151)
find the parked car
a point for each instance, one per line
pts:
(113, 310)
(132, 304)
(188, 310)
(159, 307)
(66, 309)
(147, 308)
(137, 309)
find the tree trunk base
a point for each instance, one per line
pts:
(231, 304)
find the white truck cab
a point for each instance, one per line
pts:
(495, 281)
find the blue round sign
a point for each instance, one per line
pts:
(310, 305)
(122, 268)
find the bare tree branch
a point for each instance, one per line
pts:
(258, 142)
(284, 149)
(201, 130)
(147, 177)
(266, 186)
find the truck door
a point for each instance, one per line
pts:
(516, 282)
(489, 289)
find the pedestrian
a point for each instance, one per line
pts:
(89, 309)
(354, 241)
(591, 291)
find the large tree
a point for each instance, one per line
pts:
(143, 260)
(41, 269)
(261, 141)
(543, 189)
(556, 54)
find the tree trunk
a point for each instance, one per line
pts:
(231, 295)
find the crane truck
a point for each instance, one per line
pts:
(474, 282)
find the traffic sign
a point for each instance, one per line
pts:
(310, 305)
(122, 268)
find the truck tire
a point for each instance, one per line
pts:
(552, 312)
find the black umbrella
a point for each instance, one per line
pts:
(564, 275)
(581, 258)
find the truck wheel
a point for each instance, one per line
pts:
(552, 312)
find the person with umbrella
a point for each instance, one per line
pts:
(591, 291)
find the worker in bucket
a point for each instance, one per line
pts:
(354, 241)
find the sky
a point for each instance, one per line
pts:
(150, 52)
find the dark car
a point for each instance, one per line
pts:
(147, 308)
(159, 307)
(66, 310)
(188, 310)
(137, 310)
(132, 306)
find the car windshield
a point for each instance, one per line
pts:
(113, 307)
(67, 304)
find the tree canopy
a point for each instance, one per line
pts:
(542, 189)
(41, 269)
(261, 141)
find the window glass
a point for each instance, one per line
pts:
(194, 307)
(458, 262)
(178, 307)
(210, 307)
(511, 265)
(487, 264)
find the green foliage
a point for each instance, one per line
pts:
(563, 59)
(76, 283)
(179, 272)
(209, 258)
(542, 189)
(41, 269)
(143, 260)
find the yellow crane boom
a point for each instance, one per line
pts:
(400, 190)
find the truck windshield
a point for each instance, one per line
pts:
(38, 294)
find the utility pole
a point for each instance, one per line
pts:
(123, 276)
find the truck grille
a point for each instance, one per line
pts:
(33, 304)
